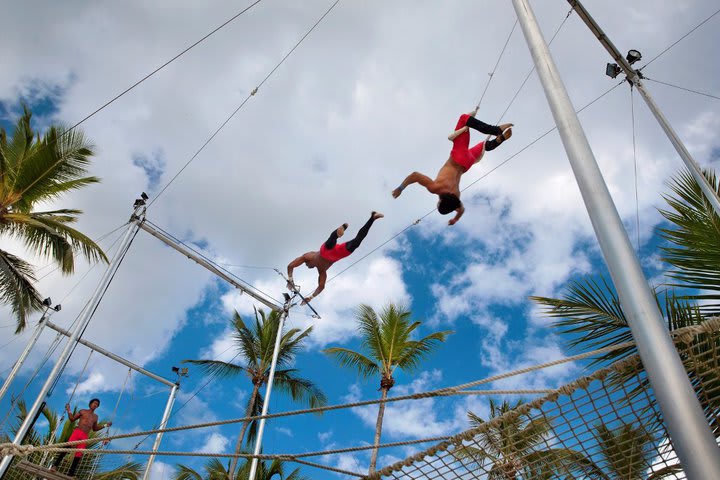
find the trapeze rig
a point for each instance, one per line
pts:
(138, 222)
(45, 322)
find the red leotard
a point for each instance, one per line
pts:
(334, 254)
(460, 153)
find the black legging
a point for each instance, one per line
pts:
(483, 127)
(355, 242)
(73, 465)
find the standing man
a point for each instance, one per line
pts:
(447, 184)
(88, 422)
(330, 252)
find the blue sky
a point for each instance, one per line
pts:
(367, 98)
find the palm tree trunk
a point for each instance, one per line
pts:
(378, 431)
(238, 445)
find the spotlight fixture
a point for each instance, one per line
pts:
(175, 370)
(612, 70)
(47, 302)
(287, 297)
(633, 56)
(57, 307)
(144, 196)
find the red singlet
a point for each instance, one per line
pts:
(334, 254)
(460, 153)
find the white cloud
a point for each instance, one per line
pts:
(285, 431)
(215, 443)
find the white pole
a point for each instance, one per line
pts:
(268, 390)
(686, 423)
(635, 78)
(163, 424)
(82, 322)
(23, 356)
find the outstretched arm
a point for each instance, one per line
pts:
(322, 278)
(291, 266)
(458, 213)
(415, 177)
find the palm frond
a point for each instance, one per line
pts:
(186, 473)
(217, 368)
(16, 288)
(352, 359)
(695, 237)
(300, 389)
(591, 314)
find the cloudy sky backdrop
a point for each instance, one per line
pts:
(369, 96)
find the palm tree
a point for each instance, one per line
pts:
(590, 309)
(36, 170)
(255, 348)
(627, 453)
(386, 340)
(214, 470)
(517, 444)
(91, 465)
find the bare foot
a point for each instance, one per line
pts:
(341, 229)
(396, 193)
(375, 215)
(507, 133)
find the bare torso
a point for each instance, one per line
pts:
(448, 178)
(314, 260)
(87, 420)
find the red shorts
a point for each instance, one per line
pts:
(78, 434)
(334, 254)
(461, 153)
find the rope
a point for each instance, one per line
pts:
(131, 87)
(447, 391)
(685, 335)
(242, 104)
(681, 38)
(683, 88)
(529, 74)
(491, 74)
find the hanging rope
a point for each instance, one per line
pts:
(242, 104)
(492, 74)
(683, 88)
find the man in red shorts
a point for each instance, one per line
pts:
(330, 252)
(462, 157)
(88, 421)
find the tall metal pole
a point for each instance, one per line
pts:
(82, 322)
(268, 390)
(635, 78)
(163, 424)
(23, 356)
(690, 433)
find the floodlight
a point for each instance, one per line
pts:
(175, 370)
(633, 56)
(144, 196)
(612, 70)
(47, 302)
(57, 307)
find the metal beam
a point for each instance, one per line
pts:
(635, 78)
(204, 263)
(686, 423)
(112, 356)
